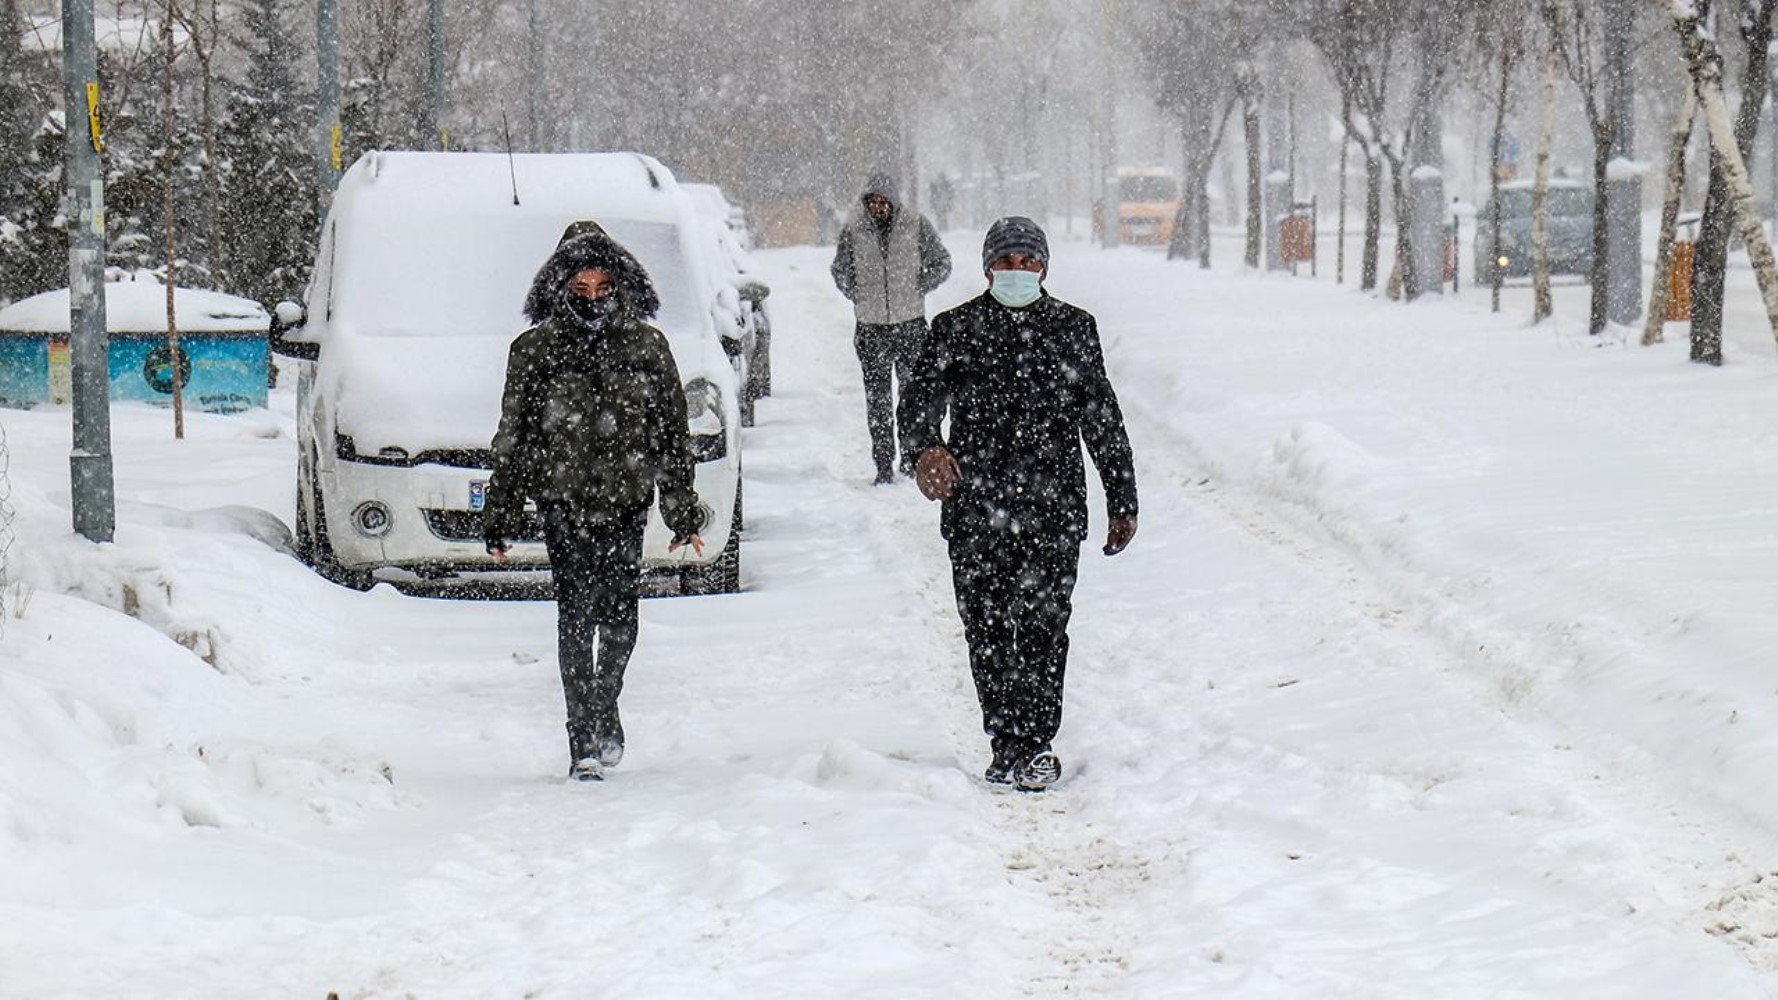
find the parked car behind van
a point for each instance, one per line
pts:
(1569, 225)
(753, 346)
(419, 281)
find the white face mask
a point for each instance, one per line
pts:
(1015, 289)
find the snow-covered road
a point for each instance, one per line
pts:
(1436, 670)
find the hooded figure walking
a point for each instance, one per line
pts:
(592, 428)
(888, 259)
(1022, 377)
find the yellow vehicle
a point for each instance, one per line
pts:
(1148, 203)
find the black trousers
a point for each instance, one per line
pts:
(1015, 593)
(884, 350)
(595, 560)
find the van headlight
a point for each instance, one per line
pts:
(705, 420)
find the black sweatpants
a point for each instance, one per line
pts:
(1015, 593)
(595, 560)
(884, 350)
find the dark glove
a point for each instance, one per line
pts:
(689, 521)
(494, 533)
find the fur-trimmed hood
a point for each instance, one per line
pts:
(585, 245)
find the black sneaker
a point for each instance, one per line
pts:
(883, 479)
(587, 769)
(999, 770)
(1037, 772)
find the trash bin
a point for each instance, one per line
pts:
(1679, 283)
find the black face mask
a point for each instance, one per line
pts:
(593, 313)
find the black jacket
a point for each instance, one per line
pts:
(1023, 388)
(594, 419)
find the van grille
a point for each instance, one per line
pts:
(466, 525)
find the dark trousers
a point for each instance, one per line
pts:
(1015, 593)
(884, 350)
(595, 562)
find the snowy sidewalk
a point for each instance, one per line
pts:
(1432, 672)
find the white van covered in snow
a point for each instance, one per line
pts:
(417, 295)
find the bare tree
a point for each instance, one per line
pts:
(1576, 34)
(1704, 60)
(1361, 41)
(1710, 260)
(1190, 56)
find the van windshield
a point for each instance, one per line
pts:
(467, 275)
(1147, 189)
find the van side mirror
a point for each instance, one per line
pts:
(755, 292)
(287, 316)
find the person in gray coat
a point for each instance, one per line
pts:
(888, 259)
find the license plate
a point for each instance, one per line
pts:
(478, 494)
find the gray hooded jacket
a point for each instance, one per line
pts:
(886, 270)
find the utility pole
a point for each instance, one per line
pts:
(327, 104)
(89, 462)
(1623, 187)
(435, 88)
(1108, 207)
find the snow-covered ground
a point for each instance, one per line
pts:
(1440, 668)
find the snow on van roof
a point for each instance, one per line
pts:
(1555, 182)
(141, 307)
(709, 196)
(573, 185)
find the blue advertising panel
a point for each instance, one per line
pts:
(24, 371)
(220, 373)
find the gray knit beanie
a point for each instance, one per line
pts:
(1015, 234)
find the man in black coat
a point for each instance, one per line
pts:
(593, 429)
(1022, 377)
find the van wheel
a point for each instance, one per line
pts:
(724, 575)
(747, 401)
(305, 535)
(324, 561)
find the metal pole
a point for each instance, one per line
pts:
(1108, 209)
(435, 87)
(327, 104)
(89, 462)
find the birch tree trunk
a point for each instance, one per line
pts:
(1659, 287)
(1705, 62)
(1542, 303)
